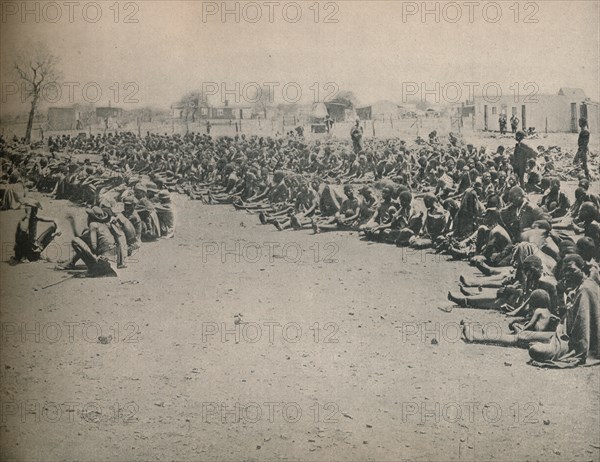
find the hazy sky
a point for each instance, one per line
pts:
(376, 49)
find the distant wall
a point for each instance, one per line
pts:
(62, 118)
(551, 113)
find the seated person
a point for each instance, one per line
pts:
(147, 212)
(555, 202)
(404, 224)
(536, 315)
(96, 245)
(166, 215)
(576, 339)
(381, 214)
(29, 245)
(14, 194)
(346, 218)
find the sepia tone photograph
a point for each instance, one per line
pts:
(353, 230)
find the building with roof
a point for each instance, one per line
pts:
(545, 112)
(381, 110)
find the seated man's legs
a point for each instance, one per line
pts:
(83, 252)
(473, 334)
(46, 237)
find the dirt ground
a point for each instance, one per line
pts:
(234, 341)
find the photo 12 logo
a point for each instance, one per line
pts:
(270, 12)
(68, 332)
(72, 92)
(268, 331)
(457, 92)
(252, 412)
(449, 332)
(469, 412)
(68, 412)
(470, 12)
(268, 252)
(69, 12)
(267, 92)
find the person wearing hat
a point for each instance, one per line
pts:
(166, 215)
(95, 246)
(151, 190)
(29, 245)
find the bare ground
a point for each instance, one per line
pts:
(340, 353)
(369, 383)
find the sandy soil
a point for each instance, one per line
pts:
(383, 377)
(234, 341)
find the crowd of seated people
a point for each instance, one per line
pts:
(505, 212)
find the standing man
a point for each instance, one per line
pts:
(514, 123)
(582, 152)
(502, 123)
(520, 157)
(328, 123)
(356, 134)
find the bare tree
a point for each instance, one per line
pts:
(262, 99)
(36, 68)
(190, 103)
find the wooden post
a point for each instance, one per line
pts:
(373, 124)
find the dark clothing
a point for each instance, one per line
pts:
(560, 201)
(582, 153)
(136, 221)
(356, 134)
(28, 244)
(577, 338)
(520, 157)
(516, 219)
